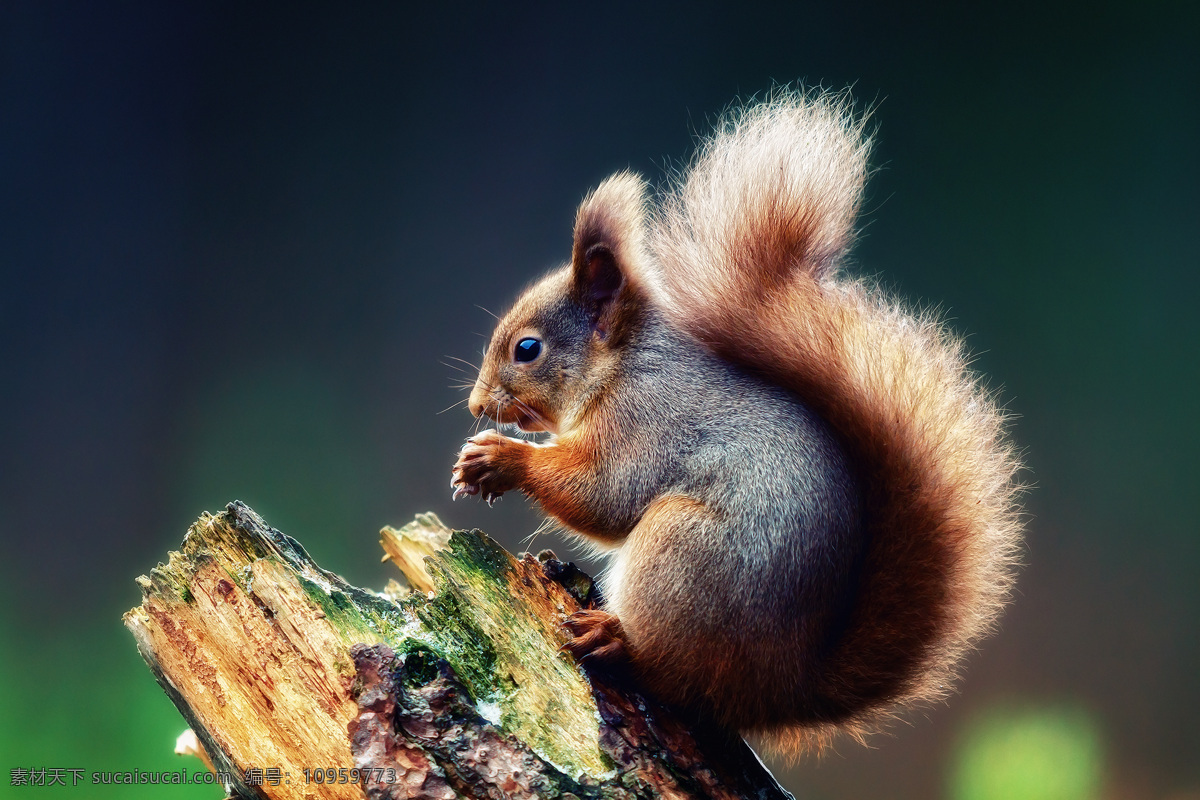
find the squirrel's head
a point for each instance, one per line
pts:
(560, 344)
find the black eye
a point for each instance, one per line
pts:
(527, 350)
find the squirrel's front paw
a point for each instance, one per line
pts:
(488, 465)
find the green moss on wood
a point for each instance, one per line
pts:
(499, 641)
(480, 620)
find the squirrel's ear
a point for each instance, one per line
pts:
(608, 256)
(598, 282)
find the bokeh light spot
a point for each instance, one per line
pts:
(1028, 754)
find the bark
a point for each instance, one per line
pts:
(299, 685)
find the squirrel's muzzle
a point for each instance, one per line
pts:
(479, 401)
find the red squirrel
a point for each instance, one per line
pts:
(807, 498)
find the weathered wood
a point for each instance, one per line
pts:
(456, 687)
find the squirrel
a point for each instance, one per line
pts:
(807, 498)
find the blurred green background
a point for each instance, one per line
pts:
(237, 242)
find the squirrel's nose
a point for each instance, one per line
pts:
(478, 402)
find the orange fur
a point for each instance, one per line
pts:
(938, 468)
(556, 477)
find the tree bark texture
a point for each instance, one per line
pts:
(299, 685)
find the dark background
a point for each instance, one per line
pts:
(237, 242)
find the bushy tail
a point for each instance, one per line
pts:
(746, 250)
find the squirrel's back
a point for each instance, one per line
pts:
(745, 251)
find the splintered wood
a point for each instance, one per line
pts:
(299, 685)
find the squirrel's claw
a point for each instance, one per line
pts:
(460, 486)
(463, 490)
(480, 469)
(611, 655)
(597, 639)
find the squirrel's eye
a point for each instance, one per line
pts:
(527, 350)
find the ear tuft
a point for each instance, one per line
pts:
(614, 215)
(608, 254)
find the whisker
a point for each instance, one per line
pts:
(474, 367)
(484, 310)
(538, 417)
(460, 370)
(456, 405)
(547, 524)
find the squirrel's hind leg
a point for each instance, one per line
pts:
(667, 587)
(642, 583)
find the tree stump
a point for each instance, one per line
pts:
(299, 685)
